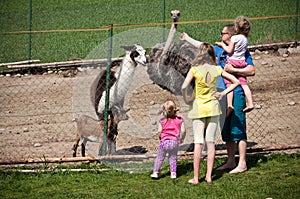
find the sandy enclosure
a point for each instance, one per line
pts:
(37, 110)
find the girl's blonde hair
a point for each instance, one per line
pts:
(242, 25)
(206, 54)
(169, 109)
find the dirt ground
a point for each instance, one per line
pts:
(37, 110)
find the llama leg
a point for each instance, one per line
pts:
(111, 146)
(102, 147)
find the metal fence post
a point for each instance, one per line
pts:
(110, 33)
(30, 29)
(297, 12)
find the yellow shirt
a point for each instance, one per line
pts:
(205, 103)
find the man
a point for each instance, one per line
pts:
(234, 128)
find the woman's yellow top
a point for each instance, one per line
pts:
(205, 103)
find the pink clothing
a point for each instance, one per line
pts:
(237, 58)
(237, 64)
(171, 128)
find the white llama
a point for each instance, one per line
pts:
(120, 80)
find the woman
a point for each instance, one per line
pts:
(205, 108)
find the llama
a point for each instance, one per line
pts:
(120, 80)
(91, 130)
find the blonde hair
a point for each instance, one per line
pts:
(206, 54)
(169, 109)
(242, 25)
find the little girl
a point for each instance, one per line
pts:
(236, 49)
(171, 133)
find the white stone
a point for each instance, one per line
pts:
(37, 145)
(283, 59)
(291, 103)
(285, 55)
(257, 106)
(257, 57)
(264, 63)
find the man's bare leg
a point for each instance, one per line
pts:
(242, 165)
(230, 164)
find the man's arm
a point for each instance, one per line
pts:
(249, 70)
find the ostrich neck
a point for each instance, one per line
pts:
(169, 39)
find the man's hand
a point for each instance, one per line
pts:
(229, 68)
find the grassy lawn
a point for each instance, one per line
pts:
(274, 176)
(77, 14)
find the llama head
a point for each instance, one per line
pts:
(137, 54)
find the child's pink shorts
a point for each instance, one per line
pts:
(237, 64)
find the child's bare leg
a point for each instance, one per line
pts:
(197, 161)
(229, 104)
(248, 95)
(210, 161)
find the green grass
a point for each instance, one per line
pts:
(275, 176)
(74, 14)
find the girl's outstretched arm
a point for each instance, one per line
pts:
(192, 41)
(229, 47)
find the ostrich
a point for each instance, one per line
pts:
(120, 81)
(169, 63)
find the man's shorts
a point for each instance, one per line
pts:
(234, 128)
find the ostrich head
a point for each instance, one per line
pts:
(175, 14)
(137, 54)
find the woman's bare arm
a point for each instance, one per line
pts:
(192, 41)
(187, 99)
(235, 82)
